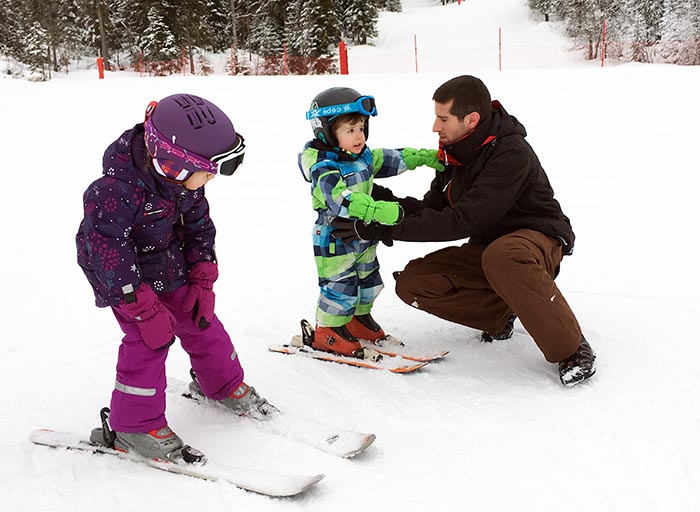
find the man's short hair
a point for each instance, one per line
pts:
(468, 93)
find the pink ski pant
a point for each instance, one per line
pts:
(138, 400)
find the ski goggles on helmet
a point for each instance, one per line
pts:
(363, 105)
(177, 163)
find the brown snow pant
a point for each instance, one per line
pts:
(479, 285)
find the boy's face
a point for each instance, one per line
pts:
(197, 179)
(351, 136)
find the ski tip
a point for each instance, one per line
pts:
(39, 434)
(367, 440)
(295, 488)
(410, 368)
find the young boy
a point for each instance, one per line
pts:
(146, 245)
(341, 169)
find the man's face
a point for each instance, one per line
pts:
(448, 126)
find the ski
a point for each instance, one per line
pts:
(391, 347)
(394, 364)
(404, 353)
(326, 438)
(259, 481)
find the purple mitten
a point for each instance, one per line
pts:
(155, 323)
(200, 296)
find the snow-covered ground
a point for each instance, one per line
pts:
(489, 428)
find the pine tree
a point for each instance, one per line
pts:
(312, 27)
(545, 7)
(643, 23)
(680, 38)
(158, 43)
(13, 14)
(35, 41)
(358, 20)
(392, 5)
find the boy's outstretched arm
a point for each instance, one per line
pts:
(417, 157)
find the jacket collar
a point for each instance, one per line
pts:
(465, 150)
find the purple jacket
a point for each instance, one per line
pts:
(138, 227)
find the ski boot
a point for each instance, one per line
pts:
(243, 400)
(505, 334)
(160, 444)
(337, 340)
(364, 327)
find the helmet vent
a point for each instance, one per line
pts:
(197, 111)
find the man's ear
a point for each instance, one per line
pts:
(471, 120)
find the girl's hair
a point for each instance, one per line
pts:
(468, 93)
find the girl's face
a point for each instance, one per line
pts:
(197, 179)
(351, 136)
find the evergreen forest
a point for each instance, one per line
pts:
(47, 35)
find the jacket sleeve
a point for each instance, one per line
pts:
(109, 251)
(482, 205)
(387, 163)
(199, 231)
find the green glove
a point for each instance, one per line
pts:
(362, 206)
(388, 213)
(417, 157)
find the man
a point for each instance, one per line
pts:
(494, 192)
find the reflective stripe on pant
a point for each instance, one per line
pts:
(138, 400)
(477, 286)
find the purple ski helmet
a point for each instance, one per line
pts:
(185, 133)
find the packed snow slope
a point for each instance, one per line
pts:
(489, 428)
(427, 36)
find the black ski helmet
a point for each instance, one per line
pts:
(334, 102)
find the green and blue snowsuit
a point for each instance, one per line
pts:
(348, 273)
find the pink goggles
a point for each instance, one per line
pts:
(177, 163)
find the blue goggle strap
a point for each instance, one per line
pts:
(364, 105)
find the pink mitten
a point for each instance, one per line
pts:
(155, 323)
(200, 296)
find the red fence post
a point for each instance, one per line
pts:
(602, 53)
(415, 50)
(284, 59)
(100, 67)
(343, 51)
(500, 51)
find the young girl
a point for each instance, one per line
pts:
(341, 169)
(146, 245)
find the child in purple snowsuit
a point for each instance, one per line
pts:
(146, 245)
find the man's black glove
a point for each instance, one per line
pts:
(410, 205)
(350, 230)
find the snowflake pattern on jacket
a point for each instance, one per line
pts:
(138, 227)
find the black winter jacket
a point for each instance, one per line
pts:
(493, 185)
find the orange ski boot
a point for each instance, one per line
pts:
(365, 328)
(337, 340)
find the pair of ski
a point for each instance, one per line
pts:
(394, 356)
(335, 441)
